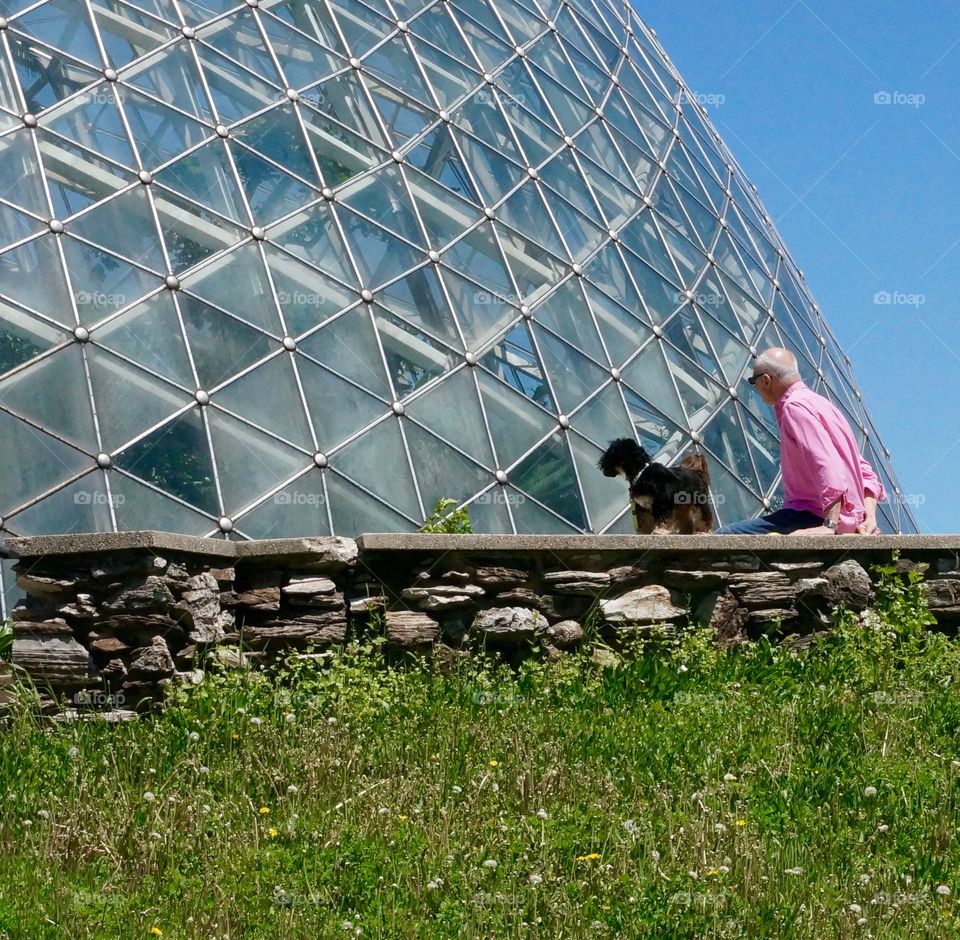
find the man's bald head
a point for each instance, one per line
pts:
(780, 363)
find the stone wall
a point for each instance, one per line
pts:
(110, 622)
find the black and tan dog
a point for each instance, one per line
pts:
(665, 500)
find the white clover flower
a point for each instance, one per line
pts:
(542, 814)
(490, 863)
(256, 722)
(28, 823)
(495, 787)
(73, 752)
(149, 796)
(536, 879)
(289, 717)
(432, 885)
(864, 879)
(43, 814)
(861, 921)
(793, 871)
(728, 778)
(870, 791)
(293, 790)
(682, 668)
(331, 720)
(203, 770)
(194, 735)
(883, 827)
(630, 827)
(855, 909)
(457, 790)
(347, 925)
(943, 891)
(383, 811)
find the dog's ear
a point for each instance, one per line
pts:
(697, 463)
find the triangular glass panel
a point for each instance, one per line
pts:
(124, 226)
(394, 64)
(270, 192)
(93, 120)
(617, 202)
(32, 462)
(515, 423)
(445, 217)
(45, 75)
(298, 509)
(607, 270)
(723, 436)
(128, 33)
(559, 82)
(277, 134)
(732, 355)
(482, 314)
(686, 333)
(32, 276)
(731, 262)
(643, 237)
(603, 418)
(268, 397)
(452, 410)
(52, 393)
(301, 58)
(764, 448)
(24, 337)
(404, 117)
(191, 232)
(622, 332)
(549, 477)
(489, 513)
(413, 357)
(356, 512)
(566, 313)
(348, 345)
(700, 392)
(419, 299)
(15, 226)
(380, 256)
(221, 345)
(63, 25)
(75, 177)
(731, 501)
(102, 283)
(172, 77)
(206, 177)
(494, 176)
(313, 236)
(582, 236)
(338, 112)
(236, 92)
(650, 377)
(161, 133)
(20, 177)
(530, 518)
(490, 49)
(478, 253)
(237, 37)
(449, 78)
(307, 297)
(481, 116)
(383, 198)
(238, 282)
(441, 471)
(538, 142)
(534, 269)
(656, 433)
(248, 463)
(525, 211)
(149, 334)
(364, 459)
(129, 400)
(310, 17)
(140, 507)
(362, 28)
(573, 376)
(81, 506)
(338, 408)
(437, 156)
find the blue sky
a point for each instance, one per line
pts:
(866, 195)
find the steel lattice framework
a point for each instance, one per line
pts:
(306, 266)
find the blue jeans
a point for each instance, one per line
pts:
(783, 521)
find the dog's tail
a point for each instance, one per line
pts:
(697, 463)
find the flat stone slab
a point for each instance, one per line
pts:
(82, 543)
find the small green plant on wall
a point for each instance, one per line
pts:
(447, 519)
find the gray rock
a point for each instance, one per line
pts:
(738, 563)
(942, 595)
(407, 629)
(224, 577)
(51, 655)
(456, 577)
(605, 658)
(693, 581)
(368, 605)
(494, 578)
(645, 605)
(721, 612)
(228, 657)
(40, 586)
(627, 576)
(152, 662)
(779, 618)
(83, 610)
(797, 569)
(764, 589)
(443, 596)
(150, 596)
(321, 630)
(848, 584)
(109, 647)
(565, 635)
(524, 597)
(265, 600)
(301, 589)
(507, 625)
(590, 583)
(198, 610)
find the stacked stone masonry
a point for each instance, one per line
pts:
(109, 623)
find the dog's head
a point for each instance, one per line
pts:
(623, 456)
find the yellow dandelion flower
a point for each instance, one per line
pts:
(741, 823)
(403, 818)
(592, 857)
(712, 873)
(264, 810)
(156, 931)
(273, 833)
(494, 763)
(234, 737)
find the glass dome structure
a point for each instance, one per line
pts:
(307, 266)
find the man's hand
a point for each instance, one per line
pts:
(868, 526)
(818, 530)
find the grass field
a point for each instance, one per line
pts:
(678, 791)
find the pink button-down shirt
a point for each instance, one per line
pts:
(820, 458)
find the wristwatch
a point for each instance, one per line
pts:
(830, 524)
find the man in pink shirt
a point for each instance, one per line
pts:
(827, 485)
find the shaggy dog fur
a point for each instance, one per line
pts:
(665, 500)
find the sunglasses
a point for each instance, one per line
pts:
(753, 378)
